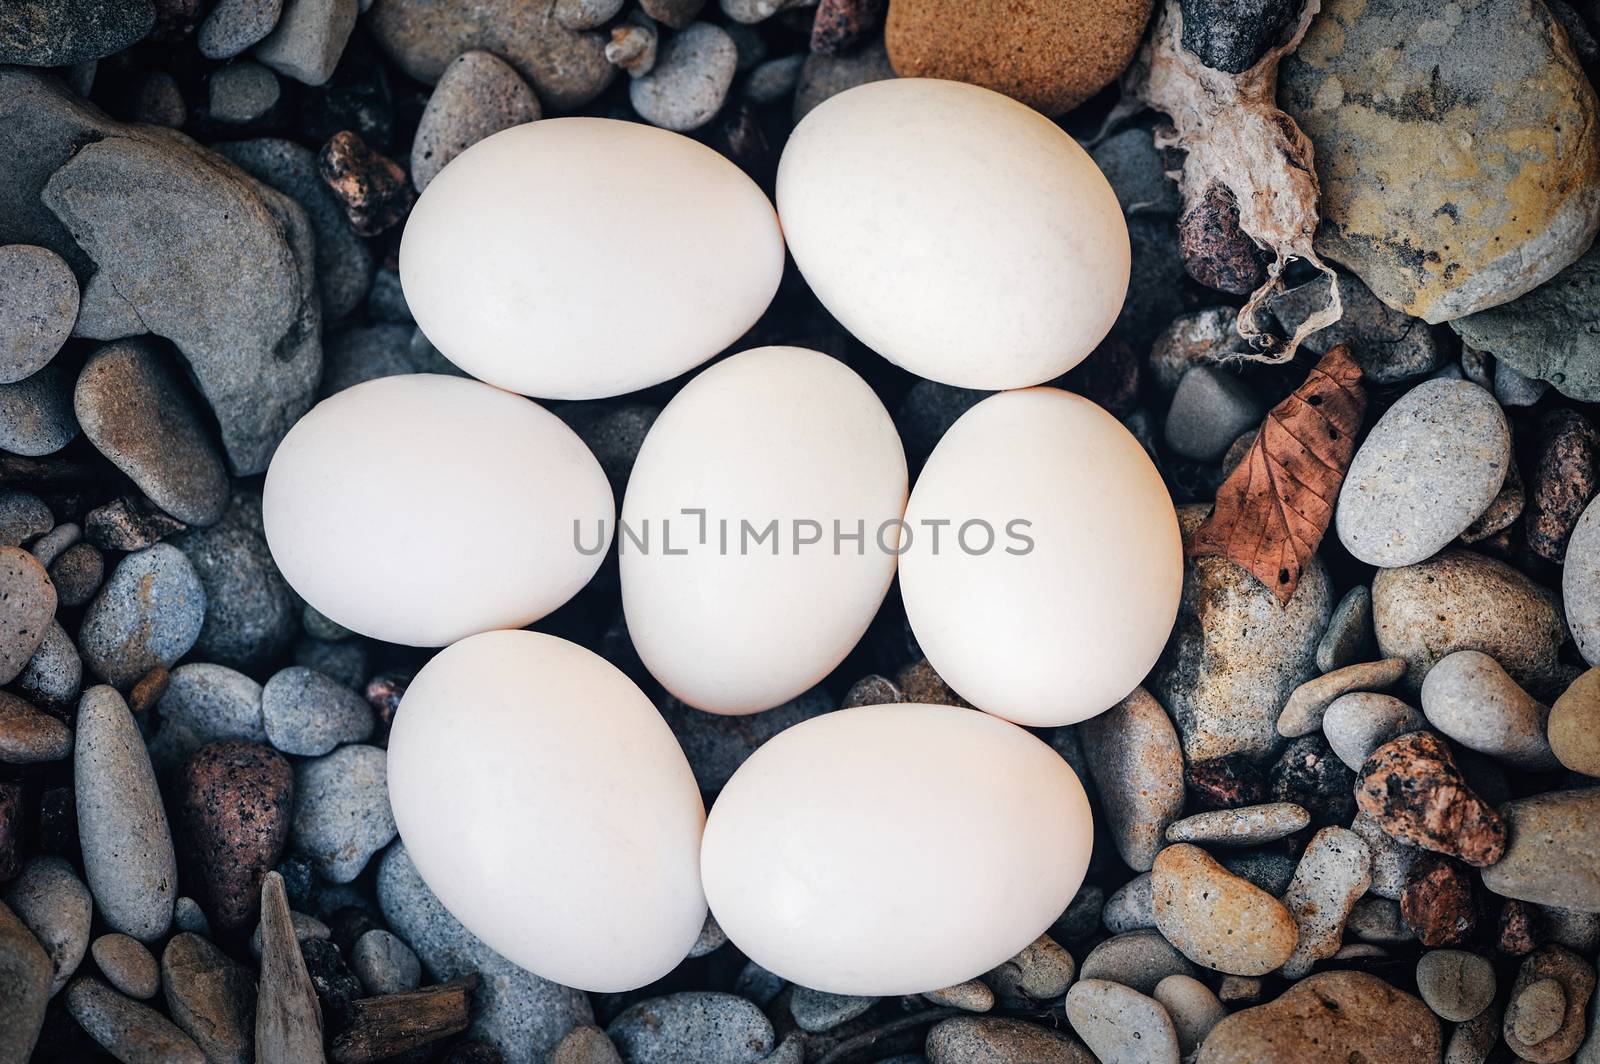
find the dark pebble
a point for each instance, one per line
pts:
(1216, 252)
(11, 828)
(77, 572)
(371, 187)
(1565, 477)
(50, 33)
(129, 523)
(1225, 783)
(1233, 35)
(1518, 933)
(1437, 902)
(1310, 774)
(234, 804)
(332, 979)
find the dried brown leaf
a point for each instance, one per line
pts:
(1274, 507)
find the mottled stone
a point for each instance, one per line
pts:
(691, 77)
(1390, 346)
(716, 745)
(477, 95)
(1335, 870)
(1455, 984)
(54, 905)
(30, 600)
(1137, 764)
(1000, 1040)
(692, 1025)
(210, 997)
(38, 304)
(1245, 826)
(1549, 333)
(24, 988)
(1554, 853)
(233, 803)
(1216, 918)
(49, 33)
(1566, 475)
(1328, 1017)
(131, 1032)
(36, 415)
(1549, 1038)
(54, 675)
(148, 613)
(1580, 583)
(250, 610)
(1225, 782)
(308, 714)
(825, 76)
(234, 25)
(1413, 789)
(1309, 774)
(1041, 972)
(817, 1011)
(1436, 902)
(1391, 858)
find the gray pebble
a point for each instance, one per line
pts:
(1270, 869)
(305, 927)
(242, 92)
(234, 25)
(825, 76)
(1456, 985)
(1390, 345)
(1511, 388)
(345, 661)
(750, 12)
(38, 304)
(614, 432)
(1554, 852)
(364, 353)
(309, 39)
(1472, 1042)
(1137, 173)
(1349, 635)
(1243, 826)
(773, 80)
(478, 95)
(716, 745)
(77, 574)
(52, 902)
(127, 845)
(1391, 858)
(1471, 699)
(1081, 917)
(127, 965)
(1335, 871)
(1375, 919)
(25, 978)
(148, 613)
(1430, 466)
(308, 714)
(1357, 724)
(586, 14)
(692, 1025)
(48, 547)
(817, 1011)
(1137, 765)
(1304, 711)
(1580, 583)
(188, 916)
(30, 600)
(758, 984)
(204, 703)
(999, 1040)
(250, 614)
(690, 79)
(1193, 1008)
(387, 300)
(319, 626)
(23, 516)
(584, 1045)
(384, 964)
(1210, 408)
(129, 1031)
(1130, 907)
(341, 810)
(36, 415)
(1139, 959)
(1578, 931)
(136, 412)
(710, 939)
(1038, 974)
(1121, 1025)
(54, 675)
(970, 996)
(211, 997)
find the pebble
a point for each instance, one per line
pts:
(1121, 1025)
(633, 47)
(54, 905)
(36, 416)
(692, 1025)
(54, 675)
(341, 810)
(28, 735)
(363, 353)
(1554, 854)
(1578, 931)
(77, 573)
(1195, 338)
(1137, 173)
(970, 996)
(477, 95)
(1472, 1042)
(251, 614)
(48, 547)
(1413, 789)
(188, 916)
(1194, 1009)
(127, 965)
(825, 76)
(127, 845)
(1139, 959)
(305, 927)
(1131, 906)
(1334, 872)
(1240, 827)
(38, 305)
(716, 745)
(308, 39)
(999, 1040)
(24, 988)
(234, 25)
(1224, 782)
(1391, 858)
(816, 1011)
(1210, 408)
(1270, 869)
(1511, 388)
(385, 964)
(1390, 346)
(23, 517)
(1471, 699)
(1303, 712)
(1574, 725)
(1236, 653)
(344, 661)
(1041, 972)
(210, 997)
(693, 72)
(242, 92)
(1330, 1016)
(1357, 724)
(1137, 767)
(1234, 989)
(232, 803)
(129, 1031)
(1544, 1018)
(1580, 583)
(65, 32)
(582, 1045)
(1430, 466)
(204, 703)
(1310, 775)
(148, 613)
(370, 186)
(1505, 510)
(1216, 918)
(1456, 985)
(586, 14)
(308, 714)
(128, 523)
(1459, 600)
(1566, 476)
(1082, 916)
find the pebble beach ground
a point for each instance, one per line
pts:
(1359, 824)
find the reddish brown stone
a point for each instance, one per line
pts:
(844, 25)
(10, 830)
(1225, 783)
(1565, 477)
(1436, 901)
(1519, 931)
(1215, 251)
(29, 735)
(1413, 789)
(372, 188)
(384, 693)
(234, 804)
(919, 683)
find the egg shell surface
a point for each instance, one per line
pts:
(894, 849)
(1061, 618)
(739, 622)
(578, 258)
(547, 804)
(958, 233)
(420, 509)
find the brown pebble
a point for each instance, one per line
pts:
(149, 689)
(235, 800)
(28, 735)
(383, 693)
(1412, 788)
(1239, 989)
(371, 187)
(844, 25)
(1576, 978)
(128, 524)
(1566, 476)
(11, 813)
(920, 684)
(1225, 782)
(77, 573)
(1215, 251)
(1436, 901)
(1519, 931)
(127, 965)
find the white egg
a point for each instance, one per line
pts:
(547, 804)
(749, 541)
(1051, 591)
(894, 849)
(955, 231)
(576, 258)
(421, 509)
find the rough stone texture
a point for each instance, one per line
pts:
(204, 703)
(250, 610)
(1194, 1009)
(1443, 194)
(690, 80)
(36, 415)
(1413, 789)
(233, 804)
(50, 33)
(1469, 698)
(716, 745)
(55, 906)
(1216, 918)
(38, 304)
(1554, 854)
(127, 845)
(1459, 600)
(1457, 985)
(582, 1045)
(1232, 36)
(308, 39)
(1565, 477)
(1236, 653)
(1552, 333)
(308, 714)
(1121, 1025)
(1575, 978)
(242, 92)
(24, 988)
(127, 965)
(1244, 826)
(30, 600)
(1389, 346)
(1574, 726)
(1052, 57)
(692, 1025)
(148, 614)
(210, 997)
(1331, 1016)
(1225, 782)
(1357, 724)
(131, 1032)
(1039, 973)
(478, 94)
(341, 810)
(1139, 959)
(817, 1011)
(1215, 250)
(28, 735)
(998, 1040)
(1580, 584)
(566, 69)
(1137, 766)
(234, 25)
(1334, 871)
(1437, 903)
(824, 76)
(1473, 1041)
(1304, 711)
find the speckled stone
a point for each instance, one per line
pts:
(54, 675)
(211, 997)
(250, 610)
(234, 25)
(233, 803)
(148, 613)
(716, 745)
(1121, 1025)
(477, 95)
(1130, 907)
(1471, 699)
(1390, 346)
(1574, 725)
(308, 714)
(23, 517)
(1472, 1042)
(1193, 1007)
(1566, 475)
(341, 810)
(38, 304)
(204, 703)
(1357, 724)
(127, 965)
(582, 1045)
(1217, 919)
(24, 988)
(693, 72)
(1000, 1040)
(1456, 985)
(1545, 1023)
(1391, 858)
(54, 905)
(1139, 959)
(817, 1011)
(1335, 870)
(1327, 1017)
(36, 415)
(1137, 765)
(1554, 853)
(1302, 713)
(77, 573)
(30, 600)
(385, 964)
(1245, 826)
(242, 92)
(128, 1030)
(1041, 972)
(1580, 583)
(692, 1025)
(1413, 789)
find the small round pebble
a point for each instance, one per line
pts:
(970, 996)
(1121, 1025)
(234, 25)
(1455, 984)
(36, 415)
(1241, 827)
(23, 517)
(1304, 711)
(690, 79)
(1193, 1007)
(816, 1011)
(242, 92)
(1041, 972)
(1574, 726)
(1216, 918)
(478, 95)
(148, 613)
(54, 675)
(341, 810)
(77, 573)
(1537, 1011)
(1357, 724)
(308, 714)
(693, 1025)
(384, 964)
(48, 547)
(582, 1045)
(1139, 959)
(1471, 699)
(38, 304)
(127, 965)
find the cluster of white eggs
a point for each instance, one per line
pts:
(877, 850)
